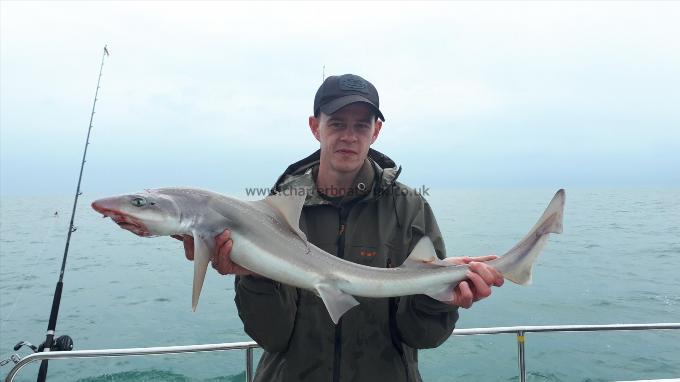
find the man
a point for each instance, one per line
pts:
(356, 210)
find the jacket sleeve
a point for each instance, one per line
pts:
(422, 321)
(267, 309)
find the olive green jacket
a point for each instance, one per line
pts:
(376, 340)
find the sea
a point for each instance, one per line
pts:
(617, 261)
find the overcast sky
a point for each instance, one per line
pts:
(217, 94)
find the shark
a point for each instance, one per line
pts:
(267, 240)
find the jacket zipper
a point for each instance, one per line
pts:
(337, 357)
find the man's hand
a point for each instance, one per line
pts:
(481, 277)
(221, 260)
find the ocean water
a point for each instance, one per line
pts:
(618, 261)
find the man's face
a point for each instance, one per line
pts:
(345, 136)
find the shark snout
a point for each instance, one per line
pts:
(97, 207)
(106, 206)
(109, 208)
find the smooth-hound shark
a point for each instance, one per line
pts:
(267, 240)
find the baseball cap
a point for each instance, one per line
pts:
(337, 92)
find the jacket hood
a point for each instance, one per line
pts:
(299, 174)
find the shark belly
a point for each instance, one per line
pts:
(283, 266)
(393, 282)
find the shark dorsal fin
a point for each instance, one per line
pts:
(424, 255)
(290, 208)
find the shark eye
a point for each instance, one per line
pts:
(138, 202)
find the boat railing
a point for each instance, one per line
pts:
(519, 331)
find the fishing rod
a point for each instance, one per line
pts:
(65, 342)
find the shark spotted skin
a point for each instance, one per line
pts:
(267, 241)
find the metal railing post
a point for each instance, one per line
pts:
(249, 365)
(520, 356)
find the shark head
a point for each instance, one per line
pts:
(149, 213)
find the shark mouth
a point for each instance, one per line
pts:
(123, 220)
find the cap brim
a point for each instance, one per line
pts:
(341, 102)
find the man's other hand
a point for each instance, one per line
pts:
(480, 278)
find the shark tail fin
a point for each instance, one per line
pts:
(521, 272)
(517, 264)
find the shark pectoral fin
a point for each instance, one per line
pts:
(446, 294)
(424, 256)
(337, 302)
(290, 208)
(203, 249)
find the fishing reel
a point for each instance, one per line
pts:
(63, 343)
